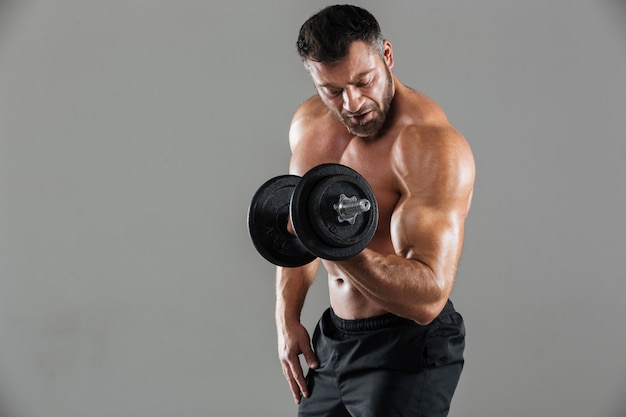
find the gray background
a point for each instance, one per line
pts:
(134, 133)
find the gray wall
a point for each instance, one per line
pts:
(134, 133)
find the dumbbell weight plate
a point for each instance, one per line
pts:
(315, 220)
(267, 223)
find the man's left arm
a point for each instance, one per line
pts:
(435, 174)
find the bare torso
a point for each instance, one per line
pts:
(322, 139)
(370, 159)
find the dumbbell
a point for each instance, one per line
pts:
(333, 212)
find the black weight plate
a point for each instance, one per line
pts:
(315, 220)
(324, 218)
(267, 223)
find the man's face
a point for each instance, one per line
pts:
(357, 89)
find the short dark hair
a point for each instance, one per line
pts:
(326, 36)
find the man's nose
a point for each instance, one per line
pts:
(352, 99)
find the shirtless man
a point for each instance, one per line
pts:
(391, 342)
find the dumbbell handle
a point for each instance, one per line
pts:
(348, 208)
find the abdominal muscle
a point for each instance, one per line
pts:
(346, 300)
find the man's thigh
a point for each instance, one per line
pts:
(382, 393)
(325, 397)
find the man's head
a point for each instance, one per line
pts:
(350, 65)
(326, 36)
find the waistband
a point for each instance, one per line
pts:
(384, 321)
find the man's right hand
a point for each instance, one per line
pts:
(291, 343)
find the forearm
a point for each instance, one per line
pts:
(405, 287)
(292, 285)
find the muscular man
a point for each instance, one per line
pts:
(391, 342)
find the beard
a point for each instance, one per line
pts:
(371, 127)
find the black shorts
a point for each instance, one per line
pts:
(385, 366)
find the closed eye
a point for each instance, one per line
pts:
(364, 83)
(334, 92)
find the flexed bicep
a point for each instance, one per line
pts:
(436, 181)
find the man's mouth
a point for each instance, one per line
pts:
(360, 118)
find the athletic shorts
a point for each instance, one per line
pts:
(385, 366)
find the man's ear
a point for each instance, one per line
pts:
(388, 53)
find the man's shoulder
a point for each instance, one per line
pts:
(420, 117)
(417, 109)
(311, 109)
(426, 132)
(312, 120)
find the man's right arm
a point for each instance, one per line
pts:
(292, 285)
